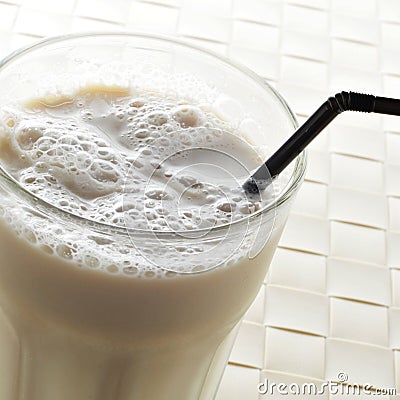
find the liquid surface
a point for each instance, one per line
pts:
(143, 160)
(140, 160)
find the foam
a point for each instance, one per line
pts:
(141, 160)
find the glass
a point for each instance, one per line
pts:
(73, 330)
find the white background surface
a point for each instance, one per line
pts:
(331, 302)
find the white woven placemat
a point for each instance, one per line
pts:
(331, 302)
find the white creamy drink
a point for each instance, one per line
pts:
(87, 316)
(129, 252)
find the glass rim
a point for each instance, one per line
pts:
(284, 195)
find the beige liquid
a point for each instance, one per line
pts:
(74, 328)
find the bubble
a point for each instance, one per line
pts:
(130, 270)
(113, 269)
(28, 136)
(226, 207)
(174, 226)
(157, 118)
(142, 133)
(29, 179)
(102, 241)
(149, 274)
(64, 251)
(150, 215)
(30, 236)
(104, 171)
(158, 194)
(188, 116)
(188, 181)
(162, 211)
(46, 248)
(137, 103)
(247, 208)
(91, 261)
(146, 152)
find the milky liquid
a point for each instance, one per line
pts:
(89, 316)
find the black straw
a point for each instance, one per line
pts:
(344, 101)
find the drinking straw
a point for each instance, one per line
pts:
(344, 101)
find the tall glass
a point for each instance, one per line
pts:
(73, 330)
